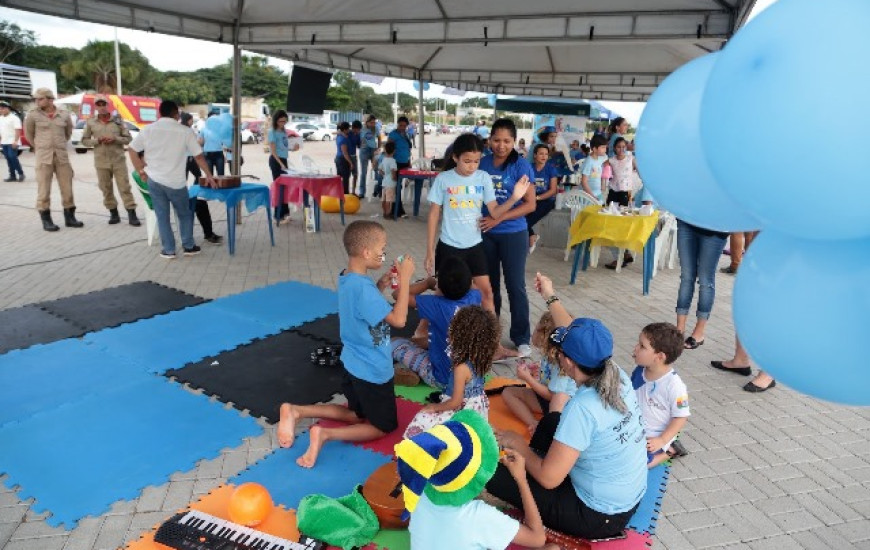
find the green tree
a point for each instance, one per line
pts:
(13, 41)
(259, 79)
(50, 58)
(185, 89)
(479, 102)
(96, 62)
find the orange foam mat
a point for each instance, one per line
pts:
(280, 523)
(500, 417)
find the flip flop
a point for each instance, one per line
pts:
(691, 343)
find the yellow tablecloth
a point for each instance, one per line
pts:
(628, 232)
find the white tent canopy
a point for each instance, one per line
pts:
(595, 49)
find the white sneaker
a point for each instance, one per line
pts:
(524, 350)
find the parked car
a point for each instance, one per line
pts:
(256, 128)
(76, 137)
(428, 128)
(311, 131)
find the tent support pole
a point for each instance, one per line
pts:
(237, 93)
(421, 124)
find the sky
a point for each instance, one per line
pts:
(163, 52)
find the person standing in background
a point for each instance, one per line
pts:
(10, 139)
(108, 136)
(213, 148)
(370, 142)
(203, 214)
(48, 130)
(401, 137)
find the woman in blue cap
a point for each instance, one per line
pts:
(586, 466)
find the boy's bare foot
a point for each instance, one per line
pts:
(310, 457)
(287, 425)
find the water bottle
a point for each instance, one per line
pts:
(394, 274)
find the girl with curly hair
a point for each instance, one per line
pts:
(473, 339)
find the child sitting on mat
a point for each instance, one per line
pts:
(443, 470)
(473, 339)
(661, 393)
(549, 391)
(426, 353)
(365, 318)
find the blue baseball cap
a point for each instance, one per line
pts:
(586, 341)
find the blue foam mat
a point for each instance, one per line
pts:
(46, 376)
(282, 305)
(77, 459)
(647, 513)
(340, 467)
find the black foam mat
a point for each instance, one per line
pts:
(265, 373)
(22, 327)
(326, 328)
(121, 304)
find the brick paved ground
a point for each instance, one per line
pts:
(773, 471)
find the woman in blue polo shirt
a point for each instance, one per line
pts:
(343, 161)
(400, 137)
(546, 186)
(506, 242)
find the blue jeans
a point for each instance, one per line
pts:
(507, 252)
(11, 154)
(161, 197)
(699, 257)
(365, 156)
(215, 161)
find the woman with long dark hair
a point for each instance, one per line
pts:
(506, 241)
(279, 150)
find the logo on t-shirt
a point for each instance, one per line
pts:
(683, 402)
(380, 333)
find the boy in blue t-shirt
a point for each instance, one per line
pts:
(593, 166)
(365, 318)
(426, 352)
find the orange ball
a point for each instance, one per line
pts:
(250, 504)
(330, 205)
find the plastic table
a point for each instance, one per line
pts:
(292, 188)
(254, 195)
(419, 176)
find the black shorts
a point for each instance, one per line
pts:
(373, 402)
(619, 197)
(474, 257)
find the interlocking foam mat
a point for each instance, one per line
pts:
(21, 327)
(47, 376)
(644, 519)
(262, 375)
(77, 459)
(327, 329)
(385, 445)
(280, 522)
(340, 468)
(121, 304)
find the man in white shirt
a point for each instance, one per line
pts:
(166, 145)
(10, 138)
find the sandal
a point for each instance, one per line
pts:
(752, 388)
(691, 343)
(730, 270)
(745, 371)
(676, 449)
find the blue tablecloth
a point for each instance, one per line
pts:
(254, 195)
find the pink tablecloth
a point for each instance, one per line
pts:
(316, 186)
(409, 173)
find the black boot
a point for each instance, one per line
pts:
(114, 217)
(47, 224)
(131, 215)
(69, 218)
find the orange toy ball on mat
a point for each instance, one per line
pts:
(250, 504)
(330, 205)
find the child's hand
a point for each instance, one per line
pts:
(431, 408)
(654, 444)
(384, 281)
(429, 264)
(515, 463)
(523, 372)
(520, 188)
(543, 285)
(406, 267)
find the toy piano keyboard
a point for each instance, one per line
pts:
(195, 530)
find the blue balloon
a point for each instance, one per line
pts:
(670, 157)
(801, 309)
(783, 113)
(213, 124)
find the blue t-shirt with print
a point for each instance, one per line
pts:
(282, 144)
(461, 199)
(610, 474)
(592, 168)
(543, 177)
(439, 311)
(403, 146)
(340, 140)
(503, 179)
(365, 336)
(368, 139)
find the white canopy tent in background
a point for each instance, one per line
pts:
(594, 49)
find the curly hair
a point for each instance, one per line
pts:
(474, 335)
(541, 336)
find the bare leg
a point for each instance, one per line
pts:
(290, 414)
(741, 358)
(681, 323)
(762, 380)
(523, 403)
(320, 435)
(487, 302)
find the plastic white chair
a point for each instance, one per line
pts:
(666, 242)
(150, 216)
(577, 200)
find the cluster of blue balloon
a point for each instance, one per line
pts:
(747, 138)
(222, 125)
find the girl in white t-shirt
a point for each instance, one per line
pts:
(621, 186)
